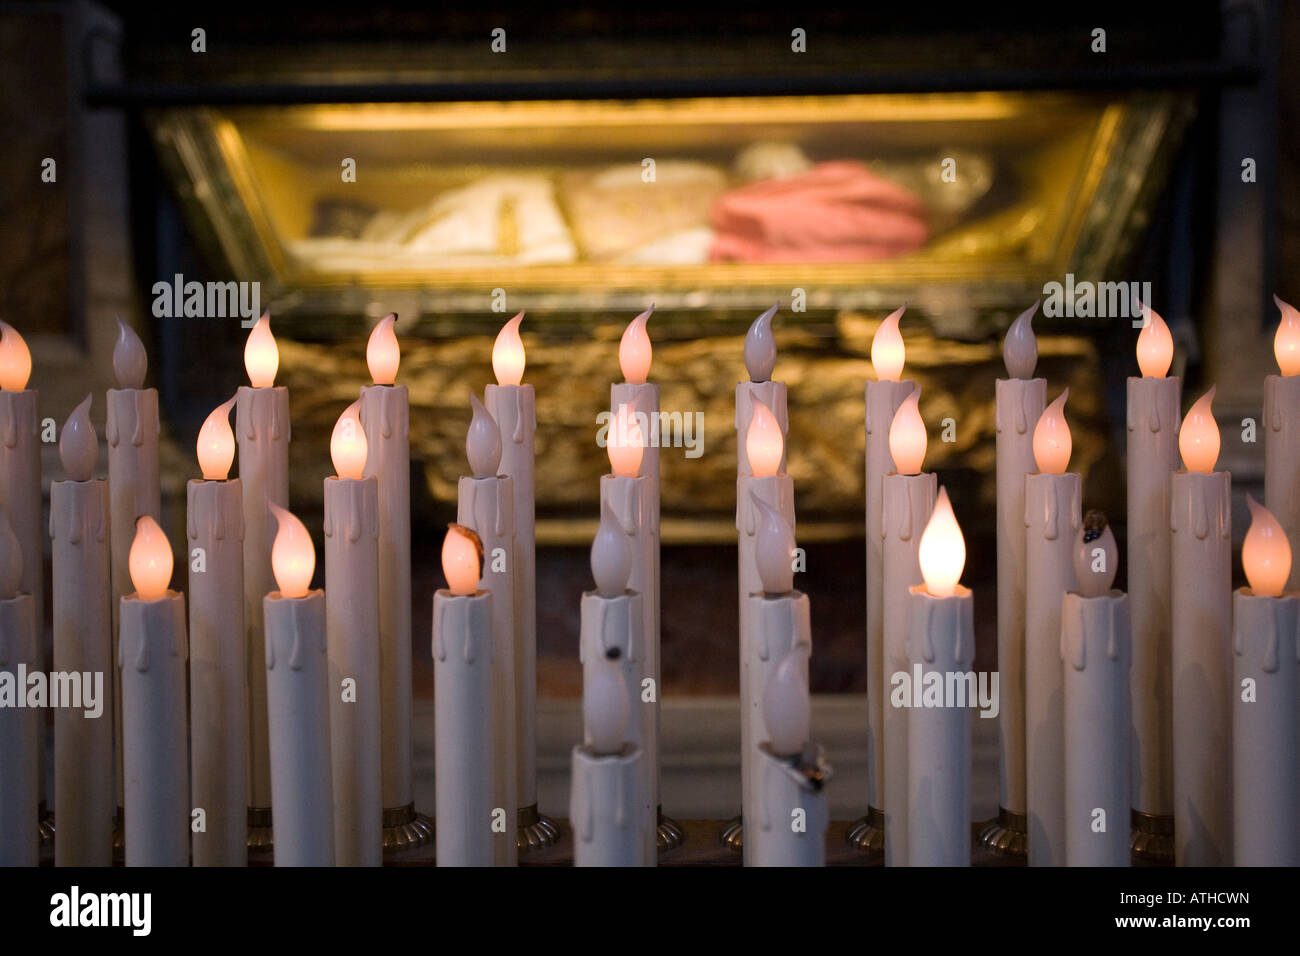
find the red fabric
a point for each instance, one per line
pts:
(835, 212)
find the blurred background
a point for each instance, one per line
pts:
(457, 166)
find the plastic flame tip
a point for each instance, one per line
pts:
(625, 443)
(462, 555)
(150, 560)
(15, 359)
(635, 351)
(78, 445)
(611, 555)
(508, 353)
(261, 354)
(907, 437)
(1052, 440)
(760, 348)
(1020, 346)
(383, 355)
(130, 362)
(216, 443)
(1198, 437)
(786, 706)
(764, 443)
(483, 441)
(348, 446)
(942, 551)
(773, 549)
(887, 350)
(1155, 345)
(293, 556)
(1265, 553)
(1286, 343)
(606, 707)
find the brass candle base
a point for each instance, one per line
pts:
(405, 829)
(1007, 834)
(670, 834)
(733, 834)
(534, 830)
(1152, 840)
(867, 833)
(45, 824)
(259, 829)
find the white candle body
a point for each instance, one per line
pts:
(131, 429)
(514, 407)
(297, 697)
(218, 672)
(882, 400)
(155, 759)
(1282, 460)
(486, 505)
(771, 394)
(463, 702)
(262, 431)
(352, 642)
(1266, 785)
(604, 809)
(630, 501)
(386, 418)
(940, 639)
(20, 493)
(20, 791)
(777, 492)
(776, 625)
(1201, 520)
(1019, 404)
(1052, 505)
(790, 816)
(84, 793)
(1153, 421)
(1096, 650)
(907, 501)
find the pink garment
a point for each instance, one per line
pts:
(835, 212)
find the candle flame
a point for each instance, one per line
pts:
(624, 443)
(786, 706)
(887, 350)
(1155, 346)
(78, 445)
(348, 445)
(11, 558)
(1286, 344)
(483, 442)
(1096, 556)
(634, 351)
(1052, 440)
(508, 353)
(462, 553)
(764, 443)
(942, 552)
(261, 355)
(216, 444)
(1266, 553)
(382, 352)
(150, 560)
(1020, 347)
(760, 348)
(605, 704)
(773, 549)
(907, 438)
(611, 556)
(293, 556)
(15, 359)
(1198, 438)
(129, 359)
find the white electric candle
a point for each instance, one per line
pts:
(297, 697)
(19, 725)
(84, 794)
(1201, 523)
(353, 648)
(486, 506)
(151, 655)
(1020, 400)
(1266, 625)
(907, 499)
(218, 670)
(262, 432)
(463, 701)
(386, 414)
(1282, 431)
(1052, 517)
(1095, 648)
(882, 398)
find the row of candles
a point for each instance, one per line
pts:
(1064, 636)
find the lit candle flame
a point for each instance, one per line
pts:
(1198, 438)
(293, 556)
(942, 552)
(760, 348)
(1155, 346)
(462, 555)
(348, 445)
(11, 558)
(261, 355)
(15, 359)
(764, 443)
(1266, 553)
(624, 443)
(508, 353)
(382, 353)
(907, 437)
(78, 445)
(786, 706)
(1052, 440)
(887, 350)
(483, 441)
(1020, 347)
(605, 704)
(149, 560)
(611, 555)
(216, 444)
(129, 359)
(1286, 344)
(634, 351)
